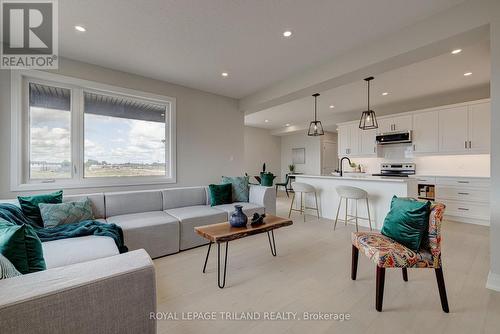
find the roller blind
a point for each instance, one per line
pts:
(43, 96)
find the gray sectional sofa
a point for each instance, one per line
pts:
(82, 289)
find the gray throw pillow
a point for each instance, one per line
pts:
(66, 213)
(7, 269)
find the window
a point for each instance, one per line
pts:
(123, 137)
(76, 133)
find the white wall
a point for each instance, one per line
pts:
(260, 147)
(209, 127)
(313, 153)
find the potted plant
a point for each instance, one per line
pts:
(291, 168)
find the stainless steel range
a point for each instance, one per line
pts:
(396, 169)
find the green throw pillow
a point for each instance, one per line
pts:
(240, 187)
(7, 269)
(220, 194)
(22, 247)
(66, 213)
(407, 222)
(29, 204)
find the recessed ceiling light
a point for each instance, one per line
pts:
(467, 74)
(332, 106)
(225, 74)
(287, 34)
(80, 28)
(456, 51)
(287, 124)
(267, 121)
(385, 93)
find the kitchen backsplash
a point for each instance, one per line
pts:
(449, 165)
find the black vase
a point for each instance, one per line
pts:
(238, 217)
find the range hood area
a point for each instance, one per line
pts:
(394, 138)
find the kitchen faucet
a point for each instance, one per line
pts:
(341, 161)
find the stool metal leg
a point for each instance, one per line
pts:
(337, 216)
(317, 207)
(302, 206)
(368, 210)
(356, 218)
(291, 205)
(345, 221)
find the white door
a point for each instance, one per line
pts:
(425, 132)
(329, 159)
(354, 135)
(384, 125)
(453, 129)
(479, 127)
(344, 140)
(367, 146)
(402, 123)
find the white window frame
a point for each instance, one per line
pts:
(20, 130)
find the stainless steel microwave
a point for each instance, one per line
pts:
(394, 137)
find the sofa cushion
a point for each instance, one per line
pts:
(181, 197)
(240, 187)
(156, 231)
(63, 252)
(29, 204)
(21, 245)
(220, 194)
(123, 203)
(96, 200)
(248, 208)
(7, 269)
(66, 213)
(193, 216)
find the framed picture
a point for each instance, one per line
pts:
(299, 155)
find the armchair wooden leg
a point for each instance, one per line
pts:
(354, 264)
(405, 274)
(442, 289)
(379, 294)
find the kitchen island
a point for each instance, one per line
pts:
(380, 192)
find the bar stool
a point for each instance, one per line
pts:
(347, 193)
(303, 188)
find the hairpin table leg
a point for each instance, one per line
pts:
(272, 244)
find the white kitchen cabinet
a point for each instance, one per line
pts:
(425, 132)
(479, 127)
(397, 123)
(465, 129)
(453, 129)
(349, 140)
(367, 142)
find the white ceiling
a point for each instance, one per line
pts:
(429, 77)
(190, 42)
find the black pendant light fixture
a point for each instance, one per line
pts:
(315, 127)
(368, 119)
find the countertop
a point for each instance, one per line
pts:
(449, 176)
(356, 178)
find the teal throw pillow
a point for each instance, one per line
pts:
(220, 194)
(66, 213)
(240, 187)
(22, 247)
(7, 269)
(29, 204)
(407, 222)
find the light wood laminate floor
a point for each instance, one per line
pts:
(312, 274)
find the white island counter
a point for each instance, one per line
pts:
(380, 191)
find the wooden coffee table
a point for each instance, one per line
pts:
(224, 232)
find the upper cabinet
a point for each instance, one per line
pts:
(397, 123)
(479, 127)
(465, 129)
(458, 129)
(425, 132)
(453, 130)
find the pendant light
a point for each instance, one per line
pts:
(368, 119)
(315, 127)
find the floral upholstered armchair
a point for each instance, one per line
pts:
(387, 253)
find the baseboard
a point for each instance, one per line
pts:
(493, 282)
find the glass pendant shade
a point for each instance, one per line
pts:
(315, 127)
(368, 119)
